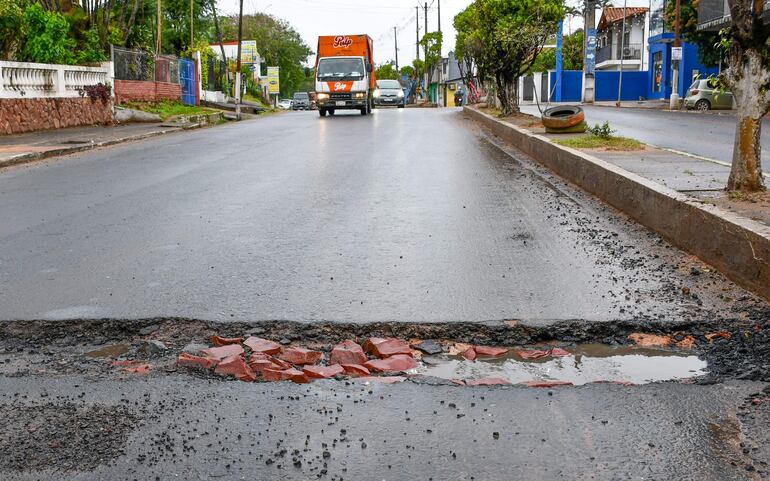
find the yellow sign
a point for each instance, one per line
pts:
(273, 80)
(249, 51)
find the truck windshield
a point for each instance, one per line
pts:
(330, 69)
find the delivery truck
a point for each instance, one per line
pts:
(344, 74)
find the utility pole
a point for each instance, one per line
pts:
(427, 87)
(395, 38)
(191, 24)
(674, 102)
(439, 15)
(417, 31)
(426, 18)
(622, 53)
(589, 51)
(158, 39)
(238, 65)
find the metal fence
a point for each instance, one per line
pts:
(141, 65)
(217, 74)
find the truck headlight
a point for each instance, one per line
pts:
(323, 96)
(359, 95)
(377, 93)
(400, 94)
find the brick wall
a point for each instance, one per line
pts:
(27, 115)
(127, 90)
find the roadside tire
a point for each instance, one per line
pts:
(702, 105)
(563, 116)
(322, 112)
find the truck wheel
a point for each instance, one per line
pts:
(363, 110)
(331, 111)
(401, 106)
(322, 112)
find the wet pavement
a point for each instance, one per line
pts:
(193, 429)
(307, 232)
(410, 215)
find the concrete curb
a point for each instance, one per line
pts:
(33, 156)
(738, 247)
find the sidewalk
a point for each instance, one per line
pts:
(698, 177)
(20, 148)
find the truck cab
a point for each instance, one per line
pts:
(344, 74)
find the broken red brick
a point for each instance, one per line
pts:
(721, 334)
(688, 342)
(323, 372)
(347, 352)
(225, 341)
(382, 379)
(383, 347)
(235, 366)
(257, 344)
(459, 382)
(558, 352)
(285, 375)
(300, 355)
(470, 354)
(488, 351)
(259, 361)
(219, 353)
(139, 368)
(547, 383)
(397, 363)
(188, 360)
(531, 354)
(355, 370)
(488, 381)
(124, 363)
(649, 340)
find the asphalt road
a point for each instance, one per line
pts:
(408, 215)
(198, 430)
(709, 135)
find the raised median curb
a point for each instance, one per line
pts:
(736, 246)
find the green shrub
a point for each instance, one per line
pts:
(602, 131)
(46, 37)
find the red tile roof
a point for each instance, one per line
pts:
(615, 14)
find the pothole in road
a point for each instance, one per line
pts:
(582, 364)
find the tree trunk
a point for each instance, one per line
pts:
(131, 22)
(507, 95)
(748, 77)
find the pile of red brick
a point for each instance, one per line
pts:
(255, 359)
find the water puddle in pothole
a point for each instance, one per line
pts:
(585, 363)
(111, 351)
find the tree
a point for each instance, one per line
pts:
(278, 44)
(748, 77)
(407, 70)
(506, 37)
(688, 16)
(386, 71)
(46, 37)
(11, 19)
(572, 55)
(431, 43)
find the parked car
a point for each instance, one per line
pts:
(704, 95)
(284, 104)
(389, 92)
(301, 101)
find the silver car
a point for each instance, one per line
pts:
(704, 95)
(389, 92)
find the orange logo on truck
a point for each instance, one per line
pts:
(342, 42)
(340, 86)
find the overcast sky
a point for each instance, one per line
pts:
(377, 18)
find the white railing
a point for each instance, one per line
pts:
(39, 80)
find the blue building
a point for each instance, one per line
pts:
(661, 66)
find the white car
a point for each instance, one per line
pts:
(284, 104)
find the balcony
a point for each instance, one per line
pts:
(632, 51)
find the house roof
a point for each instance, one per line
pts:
(615, 14)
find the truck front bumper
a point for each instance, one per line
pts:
(339, 101)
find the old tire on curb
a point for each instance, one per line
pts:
(575, 129)
(563, 116)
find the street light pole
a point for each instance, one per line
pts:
(191, 25)
(238, 65)
(395, 39)
(674, 102)
(417, 31)
(622, 54)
